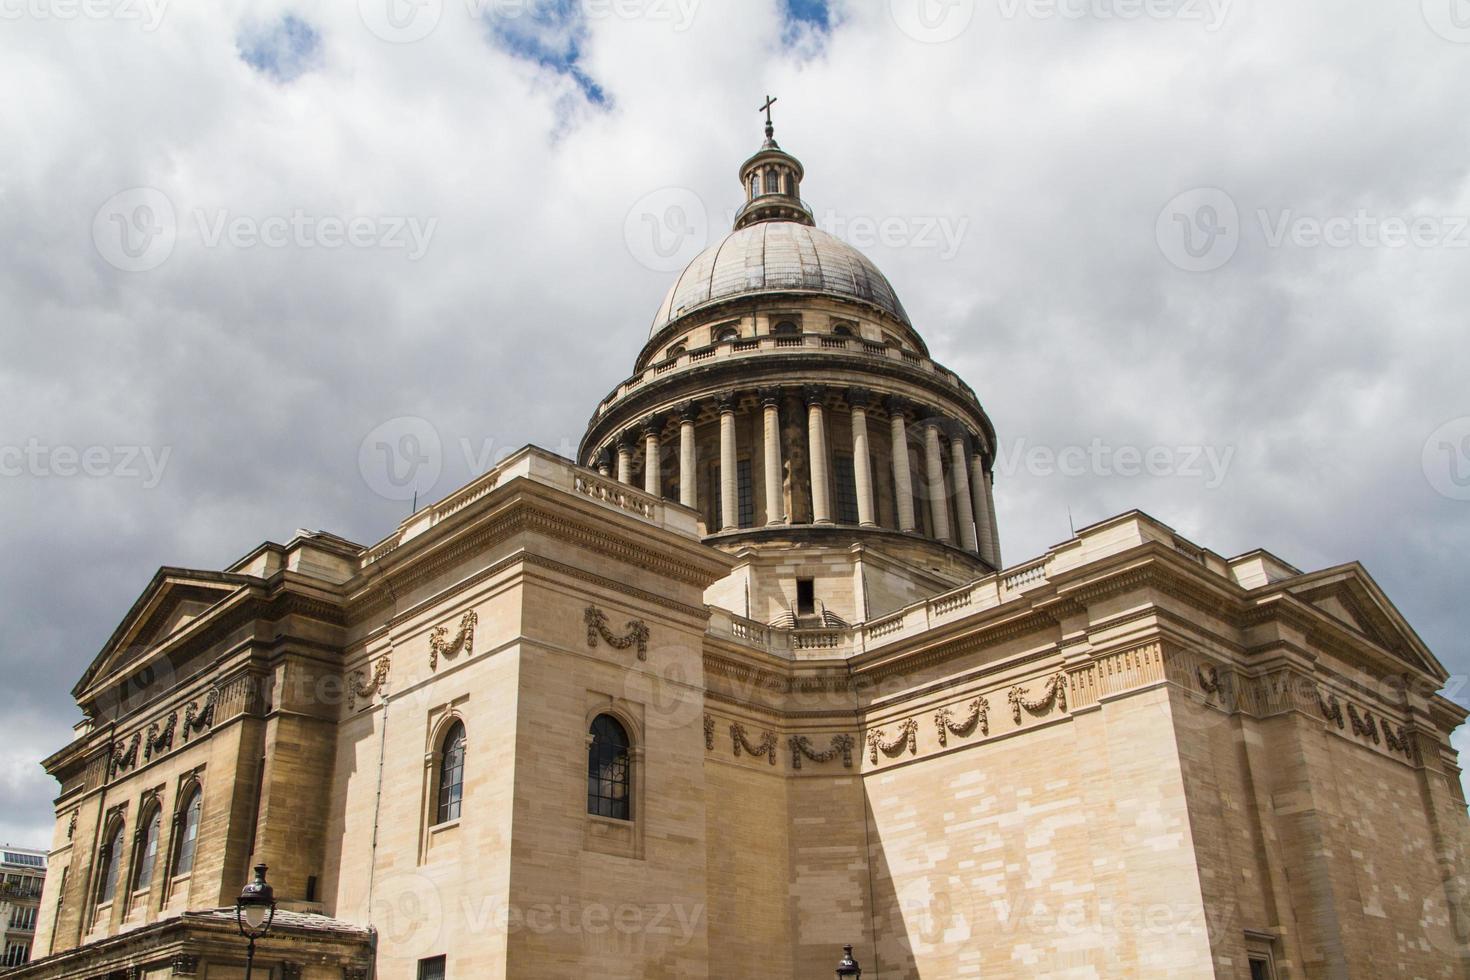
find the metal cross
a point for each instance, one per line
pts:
(770, 101)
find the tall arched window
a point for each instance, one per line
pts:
(609, 770)
(451, 773)
(111, 855)
(773, 182)
(188, 832)
(148, 848)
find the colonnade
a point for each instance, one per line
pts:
(966, 483)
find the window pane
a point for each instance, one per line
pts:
(842, 471)
(431, 969)
(451, 774)
(190, 832)
(609, 770)
(148, 854)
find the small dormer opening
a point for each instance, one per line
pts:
(726, 333)
(806, 597)
(786, 328)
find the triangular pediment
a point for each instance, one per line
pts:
(174, 599)
(1348, 595)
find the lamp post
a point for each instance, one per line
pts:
(255, 910)
(848, 968)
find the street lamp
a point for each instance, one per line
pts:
(849, 966)
(255, 910)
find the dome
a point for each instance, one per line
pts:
(778, 256)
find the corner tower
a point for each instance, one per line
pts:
(785, 395)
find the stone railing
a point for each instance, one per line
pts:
(548, 469)
(769, 344)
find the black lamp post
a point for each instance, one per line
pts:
(849, 966)
(255, 910)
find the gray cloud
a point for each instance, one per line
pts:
(1057, 140)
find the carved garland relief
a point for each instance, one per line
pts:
(464, 640)
(979, 716)
(637, 633)
(1055, 692)
(908, 735)
(360, 686)
(765, 747)
(841, 745)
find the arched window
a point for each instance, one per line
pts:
(755, 186)
(726, 333)
(773, 182)
(188, 832)
(148, 848)
(609, 770)
(111, 855)
(451, 773)
(678, 350)
(842, 330)
(786, 328)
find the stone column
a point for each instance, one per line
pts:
(771, 407)
(729, 483)
(990, 509)
(979, 501)
(959, 468)
(652, 475)
(603, 467)
(625, 460)
(688, 481)
(903, 481)
(937, 492)
(816, 425)
(862, 464)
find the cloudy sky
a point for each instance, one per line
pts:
(239, 243)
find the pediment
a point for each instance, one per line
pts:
(1350, 597)
(174, 599)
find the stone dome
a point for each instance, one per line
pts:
(778, 256)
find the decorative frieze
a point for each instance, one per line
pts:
(1402, 741)
(185, 965)
(1330, 707)
(1363, 724)
(464, 641)
(637, 633)
(978, 716)
(908, 735)
(160, 737)
(841, 745)
(1209, 678)
(1054, 693)
(360, 686)
(125, 758)
(766, 746)
(709, 733)
(199, 717)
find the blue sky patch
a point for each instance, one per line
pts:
(549, 33)
(283, 51)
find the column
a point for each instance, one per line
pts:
(936, 491)
(959, 468)
(625, 460)
(771, 408)
(990, 509)
(903, 482)
(982, 510)
(652, 475)
(862, 464)
(729, 486)
(603, 467)
(688, 482)
(816, 428)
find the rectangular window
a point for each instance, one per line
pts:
(17, 954)
(744, 496)
(842, 472)
(431, 968)
(1261, 969)
(806, 597)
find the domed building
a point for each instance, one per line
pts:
(785, 396)
(746, 684)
